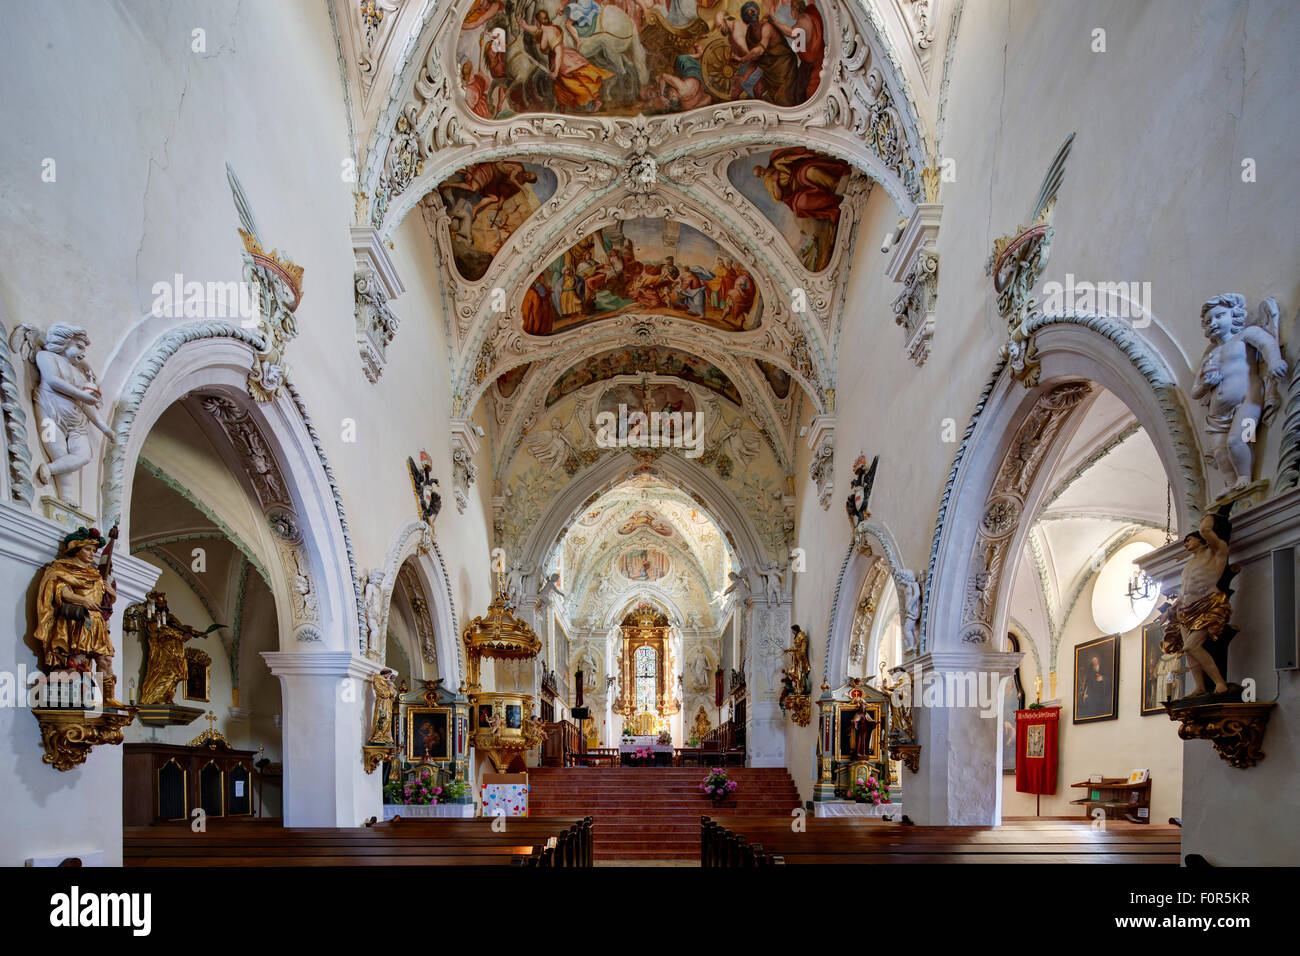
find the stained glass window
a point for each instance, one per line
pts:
(645, 664)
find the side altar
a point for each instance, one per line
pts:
(852, 743)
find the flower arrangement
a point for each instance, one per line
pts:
(643, 753)
(665, 738)
(420, 790)
(627, 732)
(869, 790)
(717, 786)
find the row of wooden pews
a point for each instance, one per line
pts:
(772, 841)
(524, 841)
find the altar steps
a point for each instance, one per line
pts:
(653, 813)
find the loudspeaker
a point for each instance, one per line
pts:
(1284, 609)
(580, 713)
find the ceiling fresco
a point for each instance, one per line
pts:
(801, 192)
(655, 266)
(640, 361)
(636, 57)
(486, 203)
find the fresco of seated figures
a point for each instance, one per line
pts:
(644, 266)
(634, 360)
(800, 191)
(629, 57)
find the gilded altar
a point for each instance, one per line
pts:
(852, 739)
(646, 697)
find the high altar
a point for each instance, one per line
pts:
(645, 665)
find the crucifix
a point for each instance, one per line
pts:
(211, 718)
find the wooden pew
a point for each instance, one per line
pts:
(765, 841)
(537, 841)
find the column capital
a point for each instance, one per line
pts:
(319, 664)
(943, 662)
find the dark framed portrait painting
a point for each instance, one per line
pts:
(428, 733)
(484, 717)
(1013, 699)
(514, 716)
(1159, 672)
(1096, 680)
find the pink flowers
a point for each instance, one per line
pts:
(717, 785)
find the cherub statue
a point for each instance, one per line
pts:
(1237, 380)
(381, 727)
(71, 629)
(1202, 609)
(66, 398)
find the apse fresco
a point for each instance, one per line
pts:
(630, 57)
(643, 564)
(800, 191)
(778, 379)
(637, 361)
(487, 202)
(642, 265)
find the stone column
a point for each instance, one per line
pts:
(768, 629)
(325, 719)
(956, 700)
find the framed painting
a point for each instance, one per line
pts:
(1096, 680)
(198, 675)
(483, 717)
(428, 734)
(1159, 672)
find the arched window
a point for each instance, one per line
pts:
(646, 664)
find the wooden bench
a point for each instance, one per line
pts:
(768, 841)
(536, 841)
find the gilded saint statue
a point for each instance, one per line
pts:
(702, 724)
(71, 625)
(1196, 624)
(164, 638)
(799, 672)
(381, 727)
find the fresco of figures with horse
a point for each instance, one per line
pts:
(630, 57)
(658, 266)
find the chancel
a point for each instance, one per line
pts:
(733, 434)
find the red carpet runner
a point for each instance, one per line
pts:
(653, 813)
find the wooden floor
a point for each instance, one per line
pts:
(423, 842)
(735, 841)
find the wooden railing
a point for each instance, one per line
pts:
(563, 740)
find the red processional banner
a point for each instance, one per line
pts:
(1036, 749)
(718, 695)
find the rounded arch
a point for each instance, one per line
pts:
(855, 572)
(644, 593)
(415, 542)
(213, 360)
(600, 477)
(1075, 351)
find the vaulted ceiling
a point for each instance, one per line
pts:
(612, 192)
